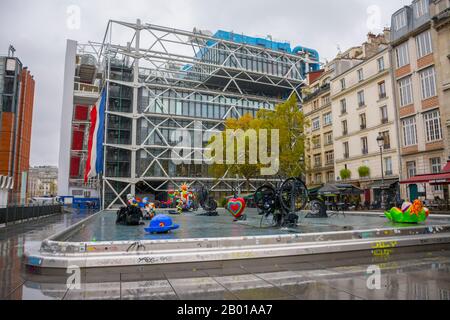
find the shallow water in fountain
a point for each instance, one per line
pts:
(104, 228)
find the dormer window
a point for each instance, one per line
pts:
(420, 8)
(400, 20)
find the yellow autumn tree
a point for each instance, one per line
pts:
(246, 170)
(290, 121)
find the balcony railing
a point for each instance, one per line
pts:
(388, 173)
(346, 155)
(84, 87)
(384, 120)
(387, 146)
(345, 132)
(363, 126)
(324, 88)
(382, 96)
(361, 104)
(365, 151)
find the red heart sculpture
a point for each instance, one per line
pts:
(236, 207)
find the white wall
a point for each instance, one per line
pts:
(66, 119)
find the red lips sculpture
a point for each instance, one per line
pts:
(236, 207)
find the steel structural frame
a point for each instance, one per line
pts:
(160, 76)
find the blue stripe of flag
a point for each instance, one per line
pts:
(101, 133)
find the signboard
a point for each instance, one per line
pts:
(11, 65)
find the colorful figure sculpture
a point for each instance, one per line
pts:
(409, 213)
(184, 195)
(149, 208)
(180, 206)
(131, 201)
(161, 224)
(236, 207)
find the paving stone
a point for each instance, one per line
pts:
(148, 290)
(200, 289)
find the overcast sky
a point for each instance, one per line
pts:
(38, 29)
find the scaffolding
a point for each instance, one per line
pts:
(160, 79)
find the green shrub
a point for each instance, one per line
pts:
(364, 171)
(345, 174)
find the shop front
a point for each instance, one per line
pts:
(417, 186)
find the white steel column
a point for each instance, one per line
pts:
(135, 108)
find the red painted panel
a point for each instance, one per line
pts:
(81, 113)
(77, 138)
(75, 167)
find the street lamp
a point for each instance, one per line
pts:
(302, 166)
(380, 141)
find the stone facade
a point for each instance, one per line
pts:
(363, 108)
(43, 181)
(416, 77)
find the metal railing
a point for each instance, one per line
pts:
(13, 214)
(78, 86)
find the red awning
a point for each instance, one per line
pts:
(438, 178)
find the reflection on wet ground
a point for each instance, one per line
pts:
(16, 239)
(104, 228)
(410, 276)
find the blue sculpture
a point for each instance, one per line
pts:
(161, 224)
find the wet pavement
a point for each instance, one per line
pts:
(404, 276)
(18, 238)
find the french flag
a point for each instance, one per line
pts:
(94, 163)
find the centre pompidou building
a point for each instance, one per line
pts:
(160, 80)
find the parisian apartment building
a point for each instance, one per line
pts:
(440, 16)
(318, 114)
(43, 181)
(397, 88)
(363, 110)
(349, 105)
(418, 82)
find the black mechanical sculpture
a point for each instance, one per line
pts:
(129, 216)
(280, 206)
(207, 202)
